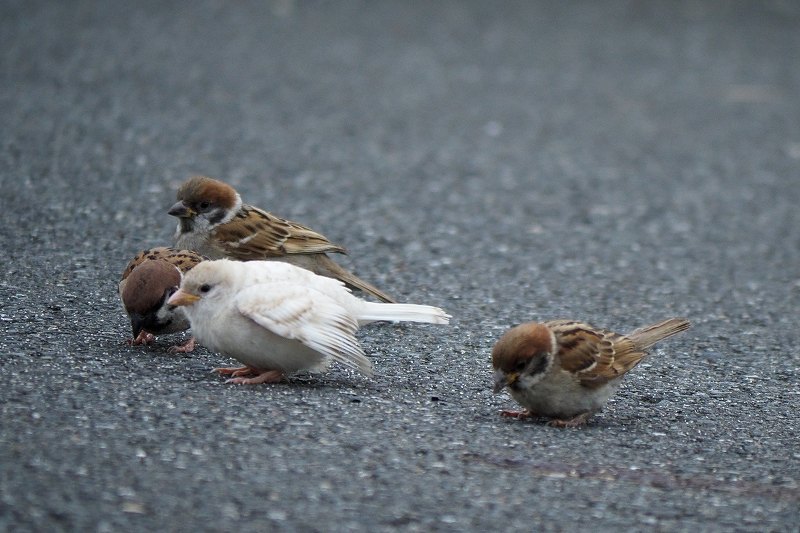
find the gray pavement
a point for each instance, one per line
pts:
(618, 162)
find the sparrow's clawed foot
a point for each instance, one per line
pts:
(186, 347)
(270, 376)
(573, 422)
(248, 375)
(519, 415)
(142, 338)
(236, 371)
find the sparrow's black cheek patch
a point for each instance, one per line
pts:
(539, 365)
(216, 216)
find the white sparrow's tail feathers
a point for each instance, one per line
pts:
(647, 336)
(372, 312)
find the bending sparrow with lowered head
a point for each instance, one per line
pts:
(214, 221)
(567, 370)
(276, 318)
(147, 282)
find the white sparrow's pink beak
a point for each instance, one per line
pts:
(182, 297)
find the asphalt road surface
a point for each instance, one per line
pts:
(616, 162)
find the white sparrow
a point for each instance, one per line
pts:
(214, 221)
(147, 282)
(567, 370)
(276, 318)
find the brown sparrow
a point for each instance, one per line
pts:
(214, 221)
(147, 282)
(567, 370)
(276, 318)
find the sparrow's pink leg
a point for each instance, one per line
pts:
(519, 415)
(142, 338)
(270, 376)
(570, 422)
(235, 371)
(186, 347)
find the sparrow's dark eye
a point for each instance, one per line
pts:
(203, 205)
(519, 367)
(205, 288)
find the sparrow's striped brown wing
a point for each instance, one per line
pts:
(595, 355)
(255, 234)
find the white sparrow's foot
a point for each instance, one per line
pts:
(570, 422)
(236, 371)
(519, 415)
(270, 376)
(142, 338)
(186, 347)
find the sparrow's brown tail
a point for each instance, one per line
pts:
(647, 336)
(350, 279)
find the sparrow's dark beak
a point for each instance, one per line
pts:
(181, 210)
(137, 324)
(503, 380)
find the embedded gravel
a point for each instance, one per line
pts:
(618, 162)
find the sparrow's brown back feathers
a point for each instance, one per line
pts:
(184, 260)
(597, 355)
(265, 235)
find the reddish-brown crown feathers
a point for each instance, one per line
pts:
(202, 188)
(145, 286)
(521, 343)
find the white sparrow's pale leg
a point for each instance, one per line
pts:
(235, 371)
(570, 422)
(270, 376)
(186, 347)
(143, 338)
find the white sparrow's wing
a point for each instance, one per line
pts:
(595, 356)
(256, 234)
(306, 315)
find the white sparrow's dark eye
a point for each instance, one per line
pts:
(205, 288)
(203, 205)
